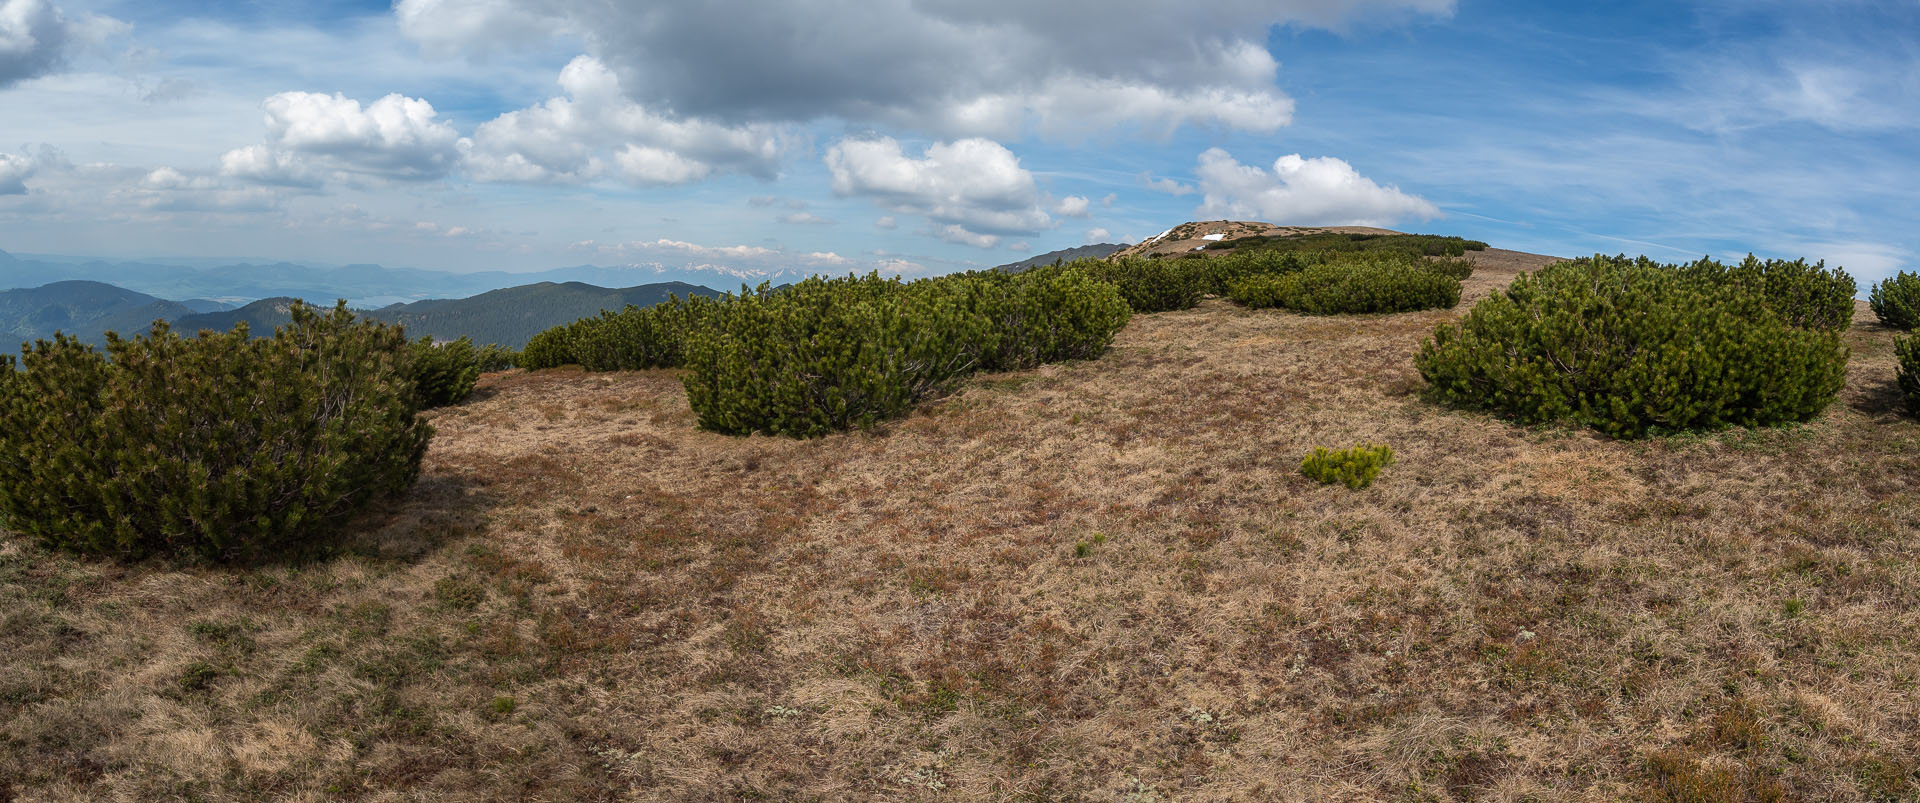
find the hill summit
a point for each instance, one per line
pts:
(1196, 235)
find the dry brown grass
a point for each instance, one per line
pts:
(1098, 581)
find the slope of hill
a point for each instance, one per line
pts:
(1100, 580)
(509, 317)
(1197, 235)
(512, 316)
(84, 309)
(1095, 251)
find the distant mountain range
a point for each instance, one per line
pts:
(87, 310)
(89, 297)
(1097, 251)
(510, 316)
(363, 286)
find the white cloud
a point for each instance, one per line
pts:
(803, 218)
(972, 189)
(37, 39)
(1098, 235)
(15, 169)
(886, 222)
(264, 165)
(395, 137)
(166, 189)
(567, 139)
(1166, 185)
(644, 164)
(958, 234)
(1065, 68)
(1072, 206)
(1322, 191)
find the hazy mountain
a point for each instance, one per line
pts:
(1097, 251)
(84, 309)
(509, 316)
(514, 315)
(368, 286)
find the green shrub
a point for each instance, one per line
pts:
(1453, 267)
(1907, 349)
(1261, 291)
(222, 446)
(1896, 301)
(1225, 270)
(1043, 316)
(828, 354)
(1154, 285)
(1352, 286)
(551, 348)
(633, 339)
(1631, 347)
(832, 354)
(495, 357)
(444, 371)
(1356, 466)
(1807, 296)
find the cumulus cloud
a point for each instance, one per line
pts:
(1064, 68)
(37, 39)
(395, 136)
(263, 165)
(166, 189)
(310, 135)
(15, 169)
(972, 190)
(803, 218)
(568, 139)
(1166, 185)
(1322, 191)
(1098, 235)
(886, 222)
(1073, 206)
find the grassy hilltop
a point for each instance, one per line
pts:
(1094, 580)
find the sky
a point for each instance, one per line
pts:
(917, 137)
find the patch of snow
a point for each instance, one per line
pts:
(1156, 238)
(1201, 248)
(1214, 237)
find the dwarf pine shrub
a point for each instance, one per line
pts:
(1370, 285)
(1352, 285)
(1043, 316)
(1225, 271)
(1896, 301)
(832, 354)
(1906, 349)
(551, 348)
(1356, 466)
(221, 446)
(826, 355)
(1262, 290)
(1154, 285)
(444, 371)
(1807, 296)
(1629, 347)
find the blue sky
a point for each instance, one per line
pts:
(920, 136)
